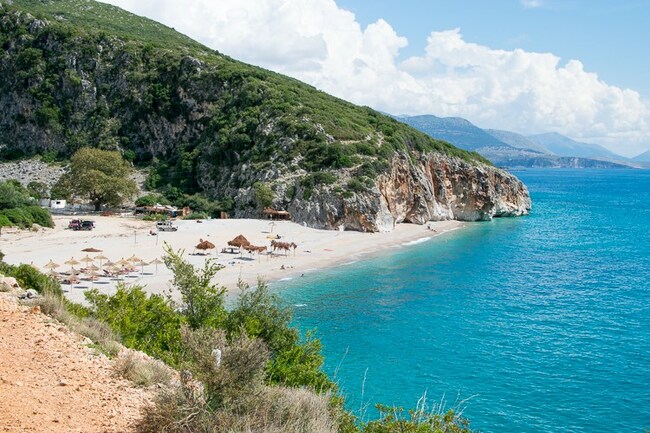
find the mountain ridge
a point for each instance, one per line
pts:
(512, 150)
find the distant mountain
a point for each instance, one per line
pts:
(516, 140)
(512, 150)
(560, 145)
(461, 132)
(644, 157)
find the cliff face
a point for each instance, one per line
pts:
(433, 188)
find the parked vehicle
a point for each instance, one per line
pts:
(78, 224)
(166, 226)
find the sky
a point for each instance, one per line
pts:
(576, 67)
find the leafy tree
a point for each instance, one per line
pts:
(37, 189)
(100, 176)
(263, 194)
(151, 200)
(202, 303)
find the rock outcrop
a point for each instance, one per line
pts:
(436, 187)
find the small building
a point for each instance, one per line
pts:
(273, 214)
(53, 203)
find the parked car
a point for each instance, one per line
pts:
(166, 226)
(78, 224)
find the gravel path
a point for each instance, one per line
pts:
(51, 382)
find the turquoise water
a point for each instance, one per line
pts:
(543, 322)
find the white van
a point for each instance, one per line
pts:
(166, 226)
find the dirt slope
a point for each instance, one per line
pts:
(50, 382)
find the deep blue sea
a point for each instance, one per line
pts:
(541, 322)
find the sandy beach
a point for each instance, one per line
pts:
(122, 237)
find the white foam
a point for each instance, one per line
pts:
(417, 241)
(286, 279)
(300, 305)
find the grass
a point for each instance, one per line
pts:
(98, 332)
(142, 371)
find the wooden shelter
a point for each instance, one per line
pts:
(273, 214)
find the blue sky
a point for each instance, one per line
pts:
(609, 37)
(575, 67)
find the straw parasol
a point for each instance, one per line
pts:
(93, 268)
(54, 274)
(51, 265)
(87, 259)
(71, 262)
(123, 262)
(91, 250)
(156, 262)
(204, 245)
(101, 258)
(142, 264)
(239, 242)
(134, 259)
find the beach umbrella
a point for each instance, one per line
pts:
(71, 262)
(156, 262)
(239, 241)
(92, 268)
(91, 250)
(54, 274)
(87, 259)
(51, 265)
(142, 264)
(101, 257)
(123, 262)
(134, 259)
(204, 245)
(92, 276)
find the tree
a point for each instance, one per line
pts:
(202, 302)
(100, 176)
(263, 194)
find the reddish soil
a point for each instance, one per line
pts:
(51, 382)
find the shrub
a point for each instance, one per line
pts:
(30, 278)
(202, 303)
(144, 322)
(142, 372)
(40, 216)
(151, 200)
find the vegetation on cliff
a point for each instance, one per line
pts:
(80, 73)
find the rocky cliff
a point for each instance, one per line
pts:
(434, 187)
(213, 132)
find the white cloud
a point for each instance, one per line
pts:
(531, 4)
(324, 45)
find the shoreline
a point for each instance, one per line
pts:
(120, 238)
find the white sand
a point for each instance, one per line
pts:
(123, 237)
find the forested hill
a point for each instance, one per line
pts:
(77, 73)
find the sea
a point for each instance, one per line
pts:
(532, 324)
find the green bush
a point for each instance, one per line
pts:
(40, 216)
(19, 217)
(151, 200)
(4, 221)
(144, 322)
(30, 278)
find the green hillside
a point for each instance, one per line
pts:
(79, 73)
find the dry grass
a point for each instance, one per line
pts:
(232, 397)
(141, 371)
(98, 332)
